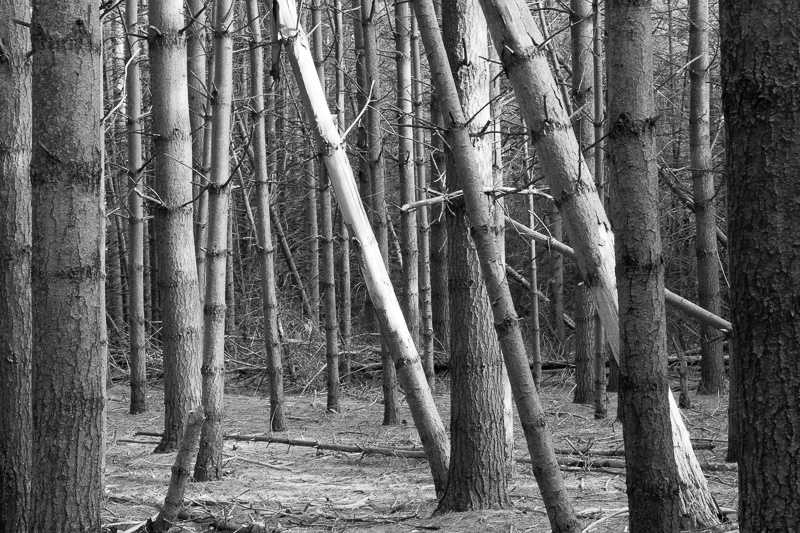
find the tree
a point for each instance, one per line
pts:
(712, 379)
(136, 318)
(15, 263)
(177, 273)
(478, 475)
(759, 96)
(69, 315)
(653, 492)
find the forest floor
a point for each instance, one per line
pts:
(304, 490)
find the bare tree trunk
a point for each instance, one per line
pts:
(177, 274)
(478, 472)
(196, 16)
(759, 97)
(376, 277)
(328, 281)
(266, 249)
(136, 319)
(534, 424)
(201, 211)
(16, 333)
(584, 346)
(68, 262)
(600, 408)
(312, 236)
(535, 329)
(712, 378)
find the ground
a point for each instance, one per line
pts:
(307, 490)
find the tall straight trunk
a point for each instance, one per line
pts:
(231, 327)
(266, 249)
(535, 329)
(376, 276)
(16, 331)
(369, 14)
(201, 202)
(328, 279)
(312, 234)
(760, 99)
(113, 286)
(652, 474)
(209, 457)
(177, 274)
(68, 262)
(599, 393)
(423, 220)
(466, 164)
(581, 29)
(514, 30)
(196, 16)
(345, 299)
(405, 167)
(136, 319)
(478, 475)
(712, 366)
(556, 281)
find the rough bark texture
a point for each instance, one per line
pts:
(136, 318)
(15, 265)
(196, 16)
(376, 277)
(652, 474)
(209, 456)
(761, 100)
(478, 475)
(69, 315)
(533, 422)
(584, 346)
(177, 274)
(266, 248)
(712, 377)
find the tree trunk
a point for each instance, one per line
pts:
(136, 319)
(423, 220)
(376, 277)
(177, 274)
(68, 262)
(16, 331)
(312, 235)
(652, 474)
(534, 423)
(328, 281)
(266, 249)
(478, 475)
(760, 98)
(584, 346)
(535, 329)
(712, 378)
(600, 408)
(196, 16)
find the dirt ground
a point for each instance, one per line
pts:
(303, 489)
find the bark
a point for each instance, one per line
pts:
(584, 347)
(478, 475)
(406, 169)
(68, 262)
(712, 373)
(136, 318)
(534, 424)
(201, 215)
(376, 277)
(327, 281)
(177, 274)
(423, 220)
(535, 329)
(196, 16)
(556, 281)
(15, 264)
(652, 474)
(600, 408)
(266, 249)
(761, 101)
(312, 236)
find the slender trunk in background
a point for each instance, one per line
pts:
(423, 222)
(533, 421)
(712, 366)
(68, 262)
(478, 474)
(196, 16)
(209, 457)
(201, 209)
(376, 277)
(266, 249)
(231, 328)
(600, 408)
(312, 233)
(581, 28)
(369, 15)
(760, 99)
(136, 318)
(328, 279)
(345, 293)
(177, 274)
(16, 332)
(535, 329)
(406, 168)
(652, 474)
(556, 281)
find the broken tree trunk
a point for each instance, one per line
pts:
(376, 277)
